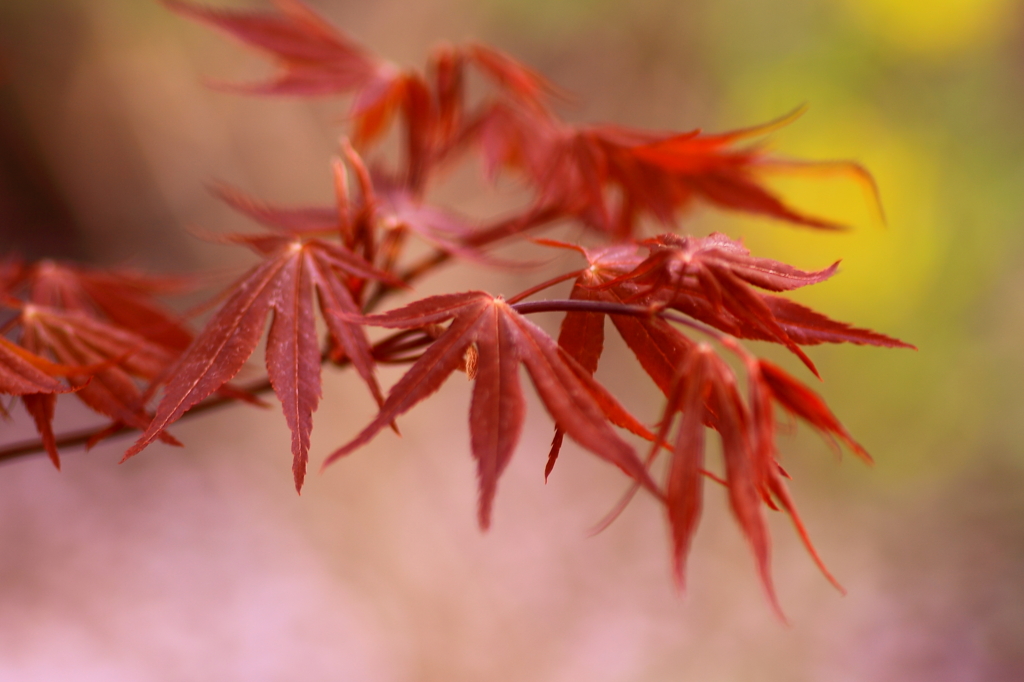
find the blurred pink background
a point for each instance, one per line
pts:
(202, 563)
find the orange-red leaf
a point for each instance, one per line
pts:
(704, 392)
(610, 177)
(106, 331)
(122, 298)
(502, 339)
(283, 283)
(711, 279)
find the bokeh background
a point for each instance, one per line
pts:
(202, 563)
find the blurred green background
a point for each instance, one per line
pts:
(203, 564)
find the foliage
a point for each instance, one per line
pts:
(680, 303)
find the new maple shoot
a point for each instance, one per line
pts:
(678, 302)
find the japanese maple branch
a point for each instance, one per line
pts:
(83, 437)
(401, 342)
(398, 342)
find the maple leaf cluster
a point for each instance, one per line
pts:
(680, 303)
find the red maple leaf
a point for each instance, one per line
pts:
(122, 298)
(108, 327)
(501, 340)
(283, 283)
(706, 393)
(118, 357)
(719, 272)
(610, 176)
(700, 386)
(711, 279)
(315, 58)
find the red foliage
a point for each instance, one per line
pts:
(104, 335)
(609, 177)
(489, 340)
(284, 283)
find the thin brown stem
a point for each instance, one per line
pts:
(609, 308)
(83, 437)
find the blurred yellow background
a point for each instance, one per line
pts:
(203, 564)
